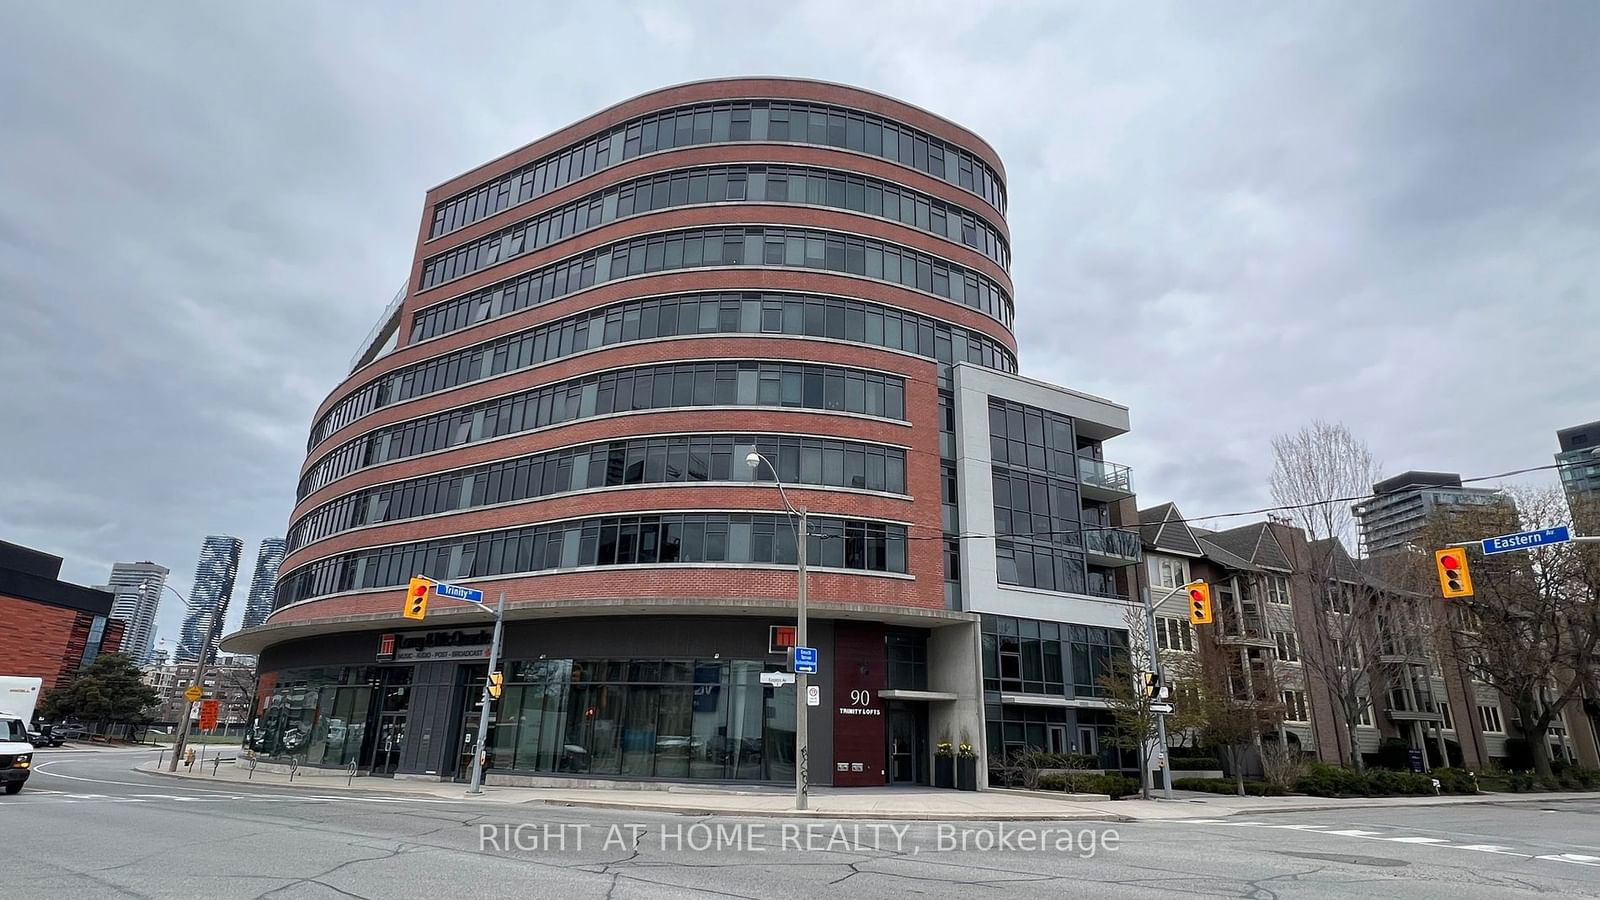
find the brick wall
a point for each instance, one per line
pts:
(41, 641)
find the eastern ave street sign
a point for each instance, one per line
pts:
(777, 679)
(1526, 540)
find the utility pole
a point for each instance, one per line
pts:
(488, 678)
(802, 729)
(802, 725)
(199, 680)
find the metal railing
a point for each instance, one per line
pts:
(1109, 475)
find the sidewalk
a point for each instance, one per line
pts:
(899, 804)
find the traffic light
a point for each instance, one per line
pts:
(1454, 579)
(496, 682)
(417, 599)
(1199, 603)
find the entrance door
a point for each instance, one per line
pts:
(386, 748)
(908, 743)
(1058, 738)
(1087, 742)
(471, 680)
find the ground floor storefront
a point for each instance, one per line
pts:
(664, 698)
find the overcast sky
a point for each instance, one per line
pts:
(1231, 218)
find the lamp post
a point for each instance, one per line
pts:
(802, 739)
(199, 672)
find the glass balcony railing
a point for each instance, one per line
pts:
(1107, 476)
(1111, 542)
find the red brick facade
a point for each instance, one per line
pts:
(920, 587)
(39, 640)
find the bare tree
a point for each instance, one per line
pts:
(1316, 471)
(1132, 707)
(1531, 628)
(1236, 709)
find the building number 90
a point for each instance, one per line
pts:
(860, 698)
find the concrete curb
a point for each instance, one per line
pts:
(684, 808)
(1481, 800)
(852, 815)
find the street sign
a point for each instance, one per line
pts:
(194, 693)
(457, 592)
(210, 710)
(777, 679)
(1161, 708)
(805, 660)
(813, 695)
(1526, 540)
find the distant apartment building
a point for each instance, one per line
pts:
(1579, 459)
(137, 587)
(214, 576)
(230, 679)
(1399, 509)
(264, 584)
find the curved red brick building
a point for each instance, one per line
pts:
(597, 329)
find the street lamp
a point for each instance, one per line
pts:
(802, 740)
(200, 669)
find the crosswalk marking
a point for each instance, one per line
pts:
(1578, 859)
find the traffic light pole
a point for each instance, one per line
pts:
(483, 718)
(1155, 663)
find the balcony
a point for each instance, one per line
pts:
(1248, 629)
(1101, 480)
(1110, 547)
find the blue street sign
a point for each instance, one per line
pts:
(457, 592)
(1527, 540)
(805, 660)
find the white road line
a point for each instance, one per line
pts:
(1299, 827)
(1581, 859)
(1417, 840)
(1355, 832)
(1491, 848)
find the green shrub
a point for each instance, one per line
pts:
(1520, 782)
(1226, 786)
(1052, 783)
(1195, 762)
(1456, 781)
(1114, 786)
(1332, 781)
(1586, 779)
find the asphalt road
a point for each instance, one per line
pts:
(89, 826)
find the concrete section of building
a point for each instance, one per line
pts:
(51, 628)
